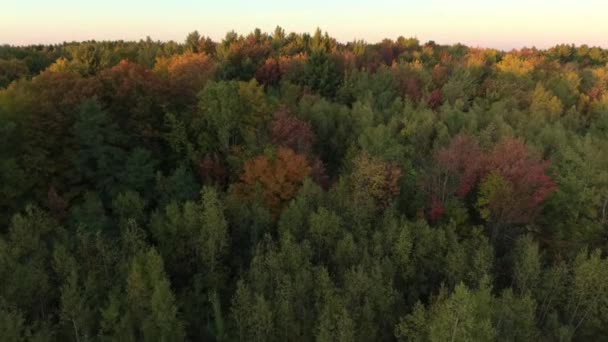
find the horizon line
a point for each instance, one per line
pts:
(340, 41)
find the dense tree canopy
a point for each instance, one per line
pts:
(289, 187)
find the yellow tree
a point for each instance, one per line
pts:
(375, 178)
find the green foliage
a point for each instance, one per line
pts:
(99, 155)
(413, 326)
(491, 191)
(321, 74)
(461, 86)
(526, 265)
(25, 255)
(463, 315)
(214, 235)
(149, 307)
(231, 113)
(12, 326)
(220, 113)
(139, 170)
(515, 317)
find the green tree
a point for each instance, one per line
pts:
(214, 233)
(192, 41)
(230, 113)
(515, 317)
(322, 75)
(526, 265)
(413, 327)
(150, 310)
(12, 325)
(464, 315)
(99, 155)
(25, 265)
(589, 294)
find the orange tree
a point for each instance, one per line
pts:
(277, 179)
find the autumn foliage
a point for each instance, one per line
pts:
(292, 187)
(269, 73)
(48, 105)
(463, 165)
(526, 176)
(134, 93)
(434, 100)
(278, 178)
(288, 131)
(375, 178)
(460, 165)
(128, 81)
(292, 67)
(186, 74)
(211, 169)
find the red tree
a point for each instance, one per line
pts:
(457, 168)
(462, 166)
(595, 93)
(319, 174)
(269, 73)
(525, 171)
(436, 210)
(461, 162)
(410, 85)
(57, 204)
(288, 131)
(440, 75)
(386, 52)
(435, 99)
(212, 169)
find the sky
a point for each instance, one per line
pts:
(503, 24)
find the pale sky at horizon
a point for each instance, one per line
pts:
(505, 25)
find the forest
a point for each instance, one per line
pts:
(290, 187)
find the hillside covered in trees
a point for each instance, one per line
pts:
(289, 187)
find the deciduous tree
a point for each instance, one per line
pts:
(277, 178)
